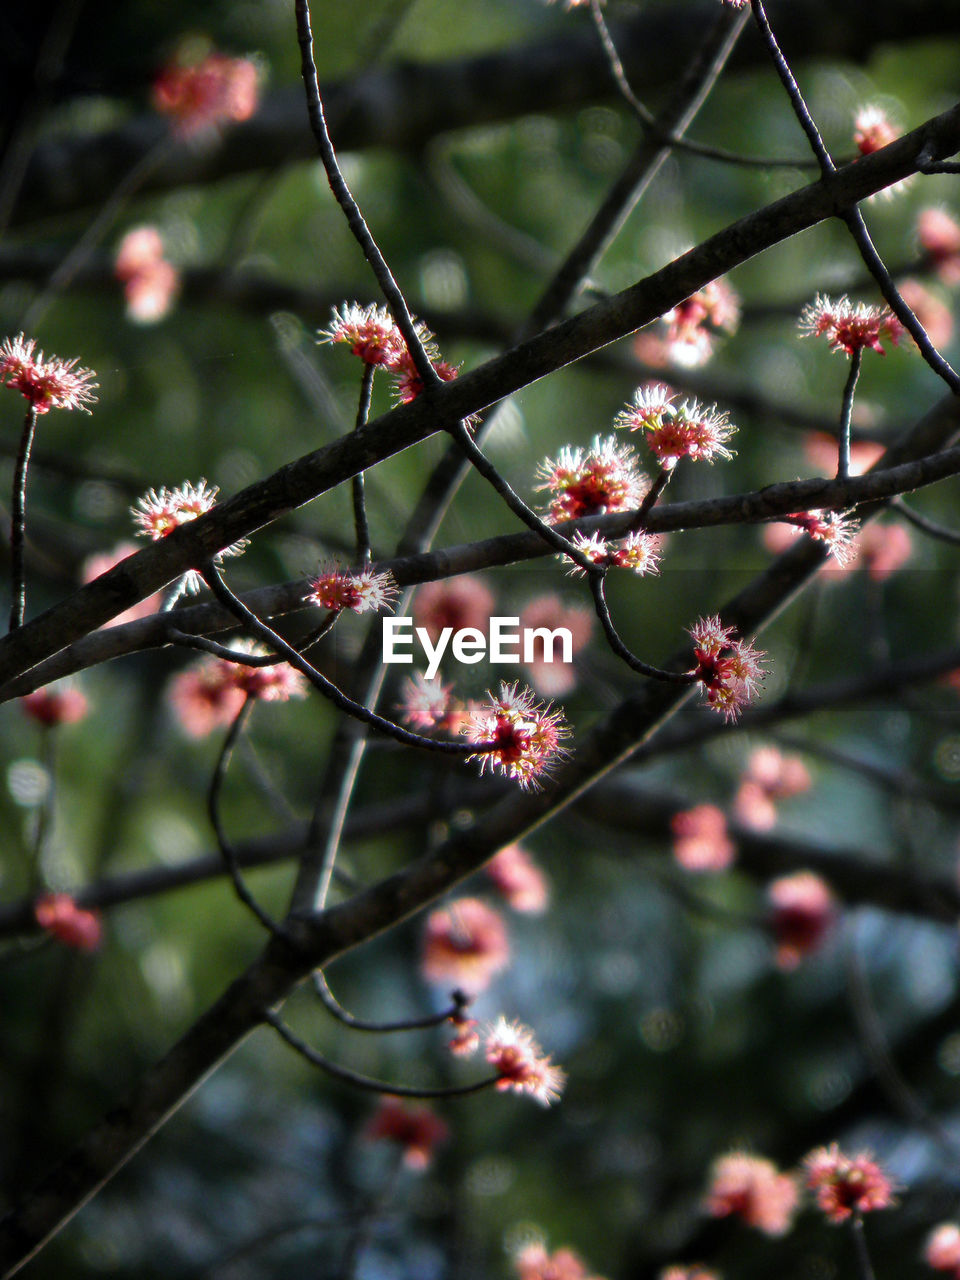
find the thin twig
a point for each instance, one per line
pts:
(334, 1007)
(596, 579)
(360, 523)
(18, 520)
(925, 524)
(846, 412)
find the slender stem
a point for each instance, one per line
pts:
(931, 527)
(367, 1082)
(360, 522)
(651, 498)
(227, 851)
(864, 1265)
(843, 439)
(596, 578)
(351, 210)
(333, 1006)
(18, 521)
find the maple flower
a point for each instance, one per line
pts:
(849, 327)
(769, 776)
(150, 282)
(872, 130)
(802, 912)
(160, 511)
(730, 670)
(939, 236)
(752, 1188)
(51, 707)
(700, 839)
(427, 704)
(59, 915)
(883, 549)
(519, 879)
(211, 692)
(204, 93)
(466, 1038)
(548, 673)
(676, 431)
(361, 590)
(370, 333)
(846, 1185)
(694, 1271)
(458, 603)
(46, 383)
(603, 478)
(942, 1249)
(523, 736)
(836, 530)
(533, 1262)
(639, 552)
(686, 334)
(464, 945)
(520, 1063)
(415, 1127)
(409, 384)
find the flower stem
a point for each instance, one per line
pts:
(360, 522)
(18, 521)
(843, 442)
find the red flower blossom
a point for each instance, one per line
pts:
(520, 1063)
(730, 670)
(848, 327)
(211, 693)
(942, 1249)
(752, 1189)
(160, 511)
(687, 333)
(939, 236)
(676, 431)
(846, 1185)
(150, 282)
(639, 552)
(427, 704)
(534, 1263)
(50, 707)
(46, 383)
(700, 839)
(361, 591)
(591, 482)
(458, 603)
(872, 130)
(836, 530)
(370, 333)
(802, 912)
(203, 93)
(523, 737)
(416, 1128)
(465, 945)
(519, 879)
(59, 915)
(769, 776)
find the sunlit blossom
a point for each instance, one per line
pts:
(872, 130)
(203, 93)
(846, 1185)
(53, 705)
(523, 736)
(160, 511)
(593, 481)
(752, 1188)
(802, 911)
(465, 945)
(639, 552)
(413, 1126)
(730, 670)
(359, 590)
(849, 326)
(429, 704)
(518, 878)
(700, 839)
(942, 1249)
(47, 383)
(150, 282)
(768, 777)
(674, 431)
(939, 236)
(370, 333)
(520, 1063)
(533, 1262)
(102, 562)
(59, 915)
(835, 529)
(211, 692)
(686, 335)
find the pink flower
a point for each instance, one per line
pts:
(51, 707)
(848, 327)
(752, 1188)
(836, 530)
(822, 451)
(362, 590)
(519, 879)
(676, 431)
(409, 384)
(687, 333)
(466, 1038)
(639, 552)
(939, 236)
(520, 1063)
(202, 93)
(524, 736)
(160, 511)
(59, 915)
(942, 1250)
(210, 693)
(553, 678)
(465, 945)
(427, 704)
(150, 282)
(769, 776)
(872, 130)
(102, 562)
(534, 1263)
(695, 1271)
(591, 482)
(883, 549)
(700, 839)
(802, 912)
(934, 315)
(846, 1185)
(370, 333)
(730, 670)
(414, 1127)
(46, 384)
(458, 603)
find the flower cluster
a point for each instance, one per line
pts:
(686, 334)
(533, 1262)
(872, 130)
(211, 692)
(802, 911)
(836, 530)
(849, 326)
(594, 481)
(429, 704)
(150, 283)
(730, 670)
(847, 1185)
(201, 94)
(160, 511)
(520, 1063)
(518, 878)
(372, 335)
(769, 776)
(460, 602)
(547, 672)
(46, 383)
(59, 915)
(361, 590)
(464, 945)
(939, 236)
(414, 1127)
(700, 839)
(639, 552)
(51, 707)
(521, 736)
(676, 431)
(942, 1249)
(752, 1189)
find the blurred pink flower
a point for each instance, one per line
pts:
(200, 94)
(846, 1185)
(534, 1263)
(150, 282)
(102, 562)
(519, 879)
(465, 601)
(554, 678)
(935, 316)
(939, 236)
(520, 1063)
(751, 1188)
(51, 706)
(769, 776)
(821, 449)
(700, 840)
(464, 946)
(802, 912)
(59, 915)
(414, 1127)
(942, 1249)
